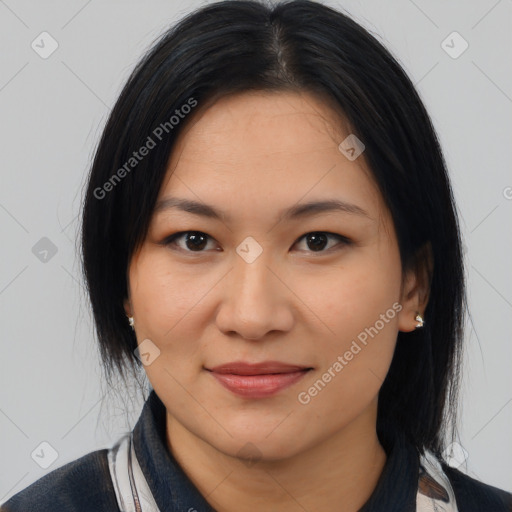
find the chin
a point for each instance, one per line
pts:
(253, 445)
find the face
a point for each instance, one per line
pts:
(314, 293)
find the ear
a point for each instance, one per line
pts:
(416, 288)
(127, 307)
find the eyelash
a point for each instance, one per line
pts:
(342, 241)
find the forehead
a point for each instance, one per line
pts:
(245, 125)
(266, 148)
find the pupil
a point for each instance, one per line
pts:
(317, 240)
(197, 239)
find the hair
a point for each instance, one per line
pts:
(238, 46)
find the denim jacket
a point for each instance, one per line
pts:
(86, 484)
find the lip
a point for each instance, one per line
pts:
(257, 380)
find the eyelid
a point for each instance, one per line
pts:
(342, 240)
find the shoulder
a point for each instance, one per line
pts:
(81, 485)
(473, 495)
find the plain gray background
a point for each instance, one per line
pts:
(52, 111)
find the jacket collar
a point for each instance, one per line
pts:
(174, 492)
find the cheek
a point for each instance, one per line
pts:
(351, 297)
(359, 304)
(168, 311)
(352, 369)
(163, 295)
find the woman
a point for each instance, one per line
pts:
(286, 374)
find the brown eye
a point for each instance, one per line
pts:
(317, 241)
(197, 241)
(194, 241)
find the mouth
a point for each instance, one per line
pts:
(258, 380)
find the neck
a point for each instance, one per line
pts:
(338, 473)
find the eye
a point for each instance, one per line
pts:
(197, 241)
(194, 241)
(318, 240)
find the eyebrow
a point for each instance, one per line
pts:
(295, 212)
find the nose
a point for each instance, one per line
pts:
(255, 301)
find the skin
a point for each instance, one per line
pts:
(252, 155)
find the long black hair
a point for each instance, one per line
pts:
(235, 46)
